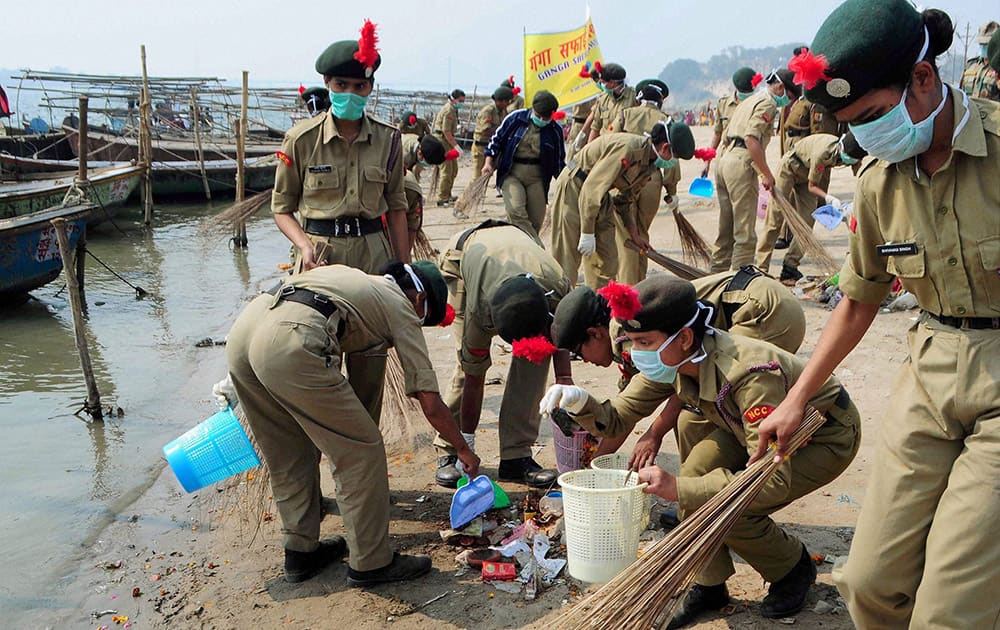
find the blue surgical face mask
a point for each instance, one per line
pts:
(661, 163)
(894, 137)
(539, 122)
(983, 50)
(424, 164)
(347, 105)
(648, 362)
(458, 104)
(743, 95)
(848, 160)
(782, 100)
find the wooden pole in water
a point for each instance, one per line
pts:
(240, 237)
(93, 404)
(146, 143)
(82, 133)
(196, 120)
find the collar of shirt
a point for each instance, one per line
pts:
(971, 138)
(330, 130)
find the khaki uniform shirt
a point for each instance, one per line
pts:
(377, 316)
(639, 120)
(754, 117)
(580, 111)
(446, 120)
(981, 81)
(823, 121)
(812, 159)
(419, 129)
(530, 146)
(623, 161)
(324, 177)
(951, 220)
(490, 256)
(796, 124)
(414, 202)
(739, 383)
(608, 106)
(516, 104)
(411, 143)
(488, 121)
(727, 105)
(672, 177)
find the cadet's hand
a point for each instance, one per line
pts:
(581, 140)
(643, 244)
(782, 422)
(645, 452)
(568, 397)
(767, 181)
(672, 202)
(470, 462)
(225, 392)
(704, 173)
(487, 169)
(587, 244)
(309, 258)
(833, 201)
(661, 483)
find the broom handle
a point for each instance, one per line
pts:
(676, 267)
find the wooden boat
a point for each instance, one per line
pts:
(109, 188)
(29, 252)
(52, 145)
(170, 179)
(112, 148)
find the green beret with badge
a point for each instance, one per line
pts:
(544, 103)
(667, 305)
(503, 93)
(317, 99)
(351, 59)
(681, 140)
(746, 79)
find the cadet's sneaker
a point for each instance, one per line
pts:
(700, 599)
(668, 519)
(527, 471)
(447, 475)
(445, 202)
(787, 596)
(302, 565)
(789, 276)
(782, 242)
(401, 568)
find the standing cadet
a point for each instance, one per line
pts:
(579, 114)
(745, 80)
(650, 94)
(517, 102)
(342, 172)
(979, 79)
(924, 553)
(419, 153)
(527, 151)
(804, 179)
(445, 128)
(284, 355)
(616, 97)
(734, 381)
(316, 100)
(487, 122)
(742, 164)
(502, 283)
(583, 223)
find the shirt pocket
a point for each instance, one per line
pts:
(989, 255)
(908, 265)
(322, 191)
(373, 186)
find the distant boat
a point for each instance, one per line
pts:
(112, 148)
(29, 252)
(109, 188)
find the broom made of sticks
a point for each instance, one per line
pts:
(803, 233)
(473, 196)
(676, 267)
(648, 593)
(400, 421)
(694, 248)
(422, 247)
(241, 211)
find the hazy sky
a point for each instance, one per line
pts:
(424, 43)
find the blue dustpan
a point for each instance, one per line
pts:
(702, 187)
(828, 216)
(471, 500)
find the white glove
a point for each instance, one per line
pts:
(225, 392)
(833, 201)
(587, 245)
(567, 397)
(581, 139)
(673, 203)
(470, 439)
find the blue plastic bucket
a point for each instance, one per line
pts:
(702, 187)
(212, 451)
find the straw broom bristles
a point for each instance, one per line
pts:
(398, 410)
(422, 247)
(648, 593)
(473, 195)
(676, 267)
(693, 246)
(803, 233)
(240, 211)
(435, 178)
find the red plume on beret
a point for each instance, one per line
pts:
(511, 80)
(809, 69)
(516, 91)
(757, 78)
(585, 72)
(623, 300)
(412, 119)
(451, 155)
(367, 52)
(706, 153)
(598, 67)
(302, 89)
(559, 115)
(534, 349)
(449, 316)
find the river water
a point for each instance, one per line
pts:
(62, 479)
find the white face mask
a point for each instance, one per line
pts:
(894, 137)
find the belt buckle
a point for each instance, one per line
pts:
(320, 299)
(287, 290)
(357, 225)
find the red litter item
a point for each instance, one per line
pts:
(503, 571)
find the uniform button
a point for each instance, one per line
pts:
(350, 192)
(942, 210)
(352, 163)
(952, 261)
(960, 310)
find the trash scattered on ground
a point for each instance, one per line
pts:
(787, 620)
(823, 607)
(846, 498)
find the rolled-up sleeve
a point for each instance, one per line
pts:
(618, 416)
(287, 180)
(864, 276)
(408, 339)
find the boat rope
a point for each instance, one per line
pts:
(139, 291)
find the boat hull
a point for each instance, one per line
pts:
(29, 252)
(109, 188)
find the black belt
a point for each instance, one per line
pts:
(975, 323)
(738, 142)
(581, 175)
(740, 282)
(488, 223)
(316, 301)
(481, 143)
(518, 160)
(579, 120)
(343, 226)
(797, 132)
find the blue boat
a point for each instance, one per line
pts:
(29, 251)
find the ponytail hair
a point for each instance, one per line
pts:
(398, 273)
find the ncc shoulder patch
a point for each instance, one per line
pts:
(757, 413)
(287, 161)
(766, 117)
(625, 163)
(820, 167)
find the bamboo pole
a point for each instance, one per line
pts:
(240, 237)
(93, 404)
(196, 121)
(146, 143)
(81, 138)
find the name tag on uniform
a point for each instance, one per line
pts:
(896, 249)
(321, 168)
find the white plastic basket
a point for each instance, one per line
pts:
(604, 517)
(619, 461)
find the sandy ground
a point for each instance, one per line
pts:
(201, 560)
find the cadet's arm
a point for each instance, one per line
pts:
(561, 368)
(756, 150)
(399, 234)
(439, 417)
(588, 127)
(816, 190)
(472, 403)
(290, 227)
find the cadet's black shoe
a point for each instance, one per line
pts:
(445, 202)
(789, 275)
(668, 519)
(527, 471)
(787, 596)
(401, 568)
(302, 565)
(782, 242)
(700, 599)
(447, 475)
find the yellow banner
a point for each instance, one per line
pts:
(552, 61)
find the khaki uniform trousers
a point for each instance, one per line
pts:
(601, 266)
(805, 202)
(286, 371)
(925, 552)
(737, 186)
(524, 198)
(368, 253)
(448, 171)
(574, 131)
(478, 159)
(756, 538)
(633, 266)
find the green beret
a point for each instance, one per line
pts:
(668, 303)
(993, 51)
(581, 309)
(318, 98)
(681, 141)
(519, 309)
(507, 84)
(436, 289)
(849, 145)
(544, 103)
(503, 93)
(866, 44)
(651, 90)
(338, 61)
(404, 118)
(743, 79)
(432, 149)
(787, 78)
(612, 72)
